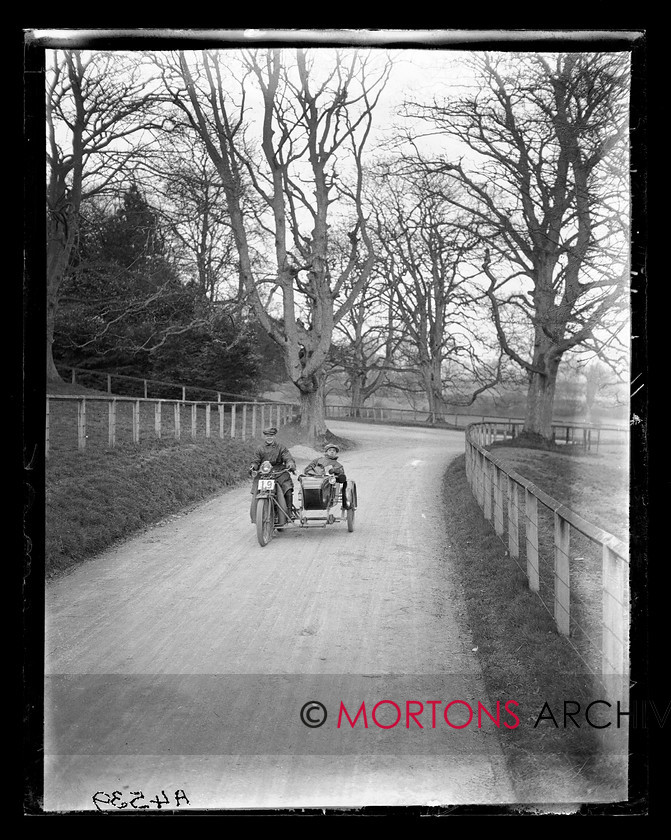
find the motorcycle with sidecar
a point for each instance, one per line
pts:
(320, 502)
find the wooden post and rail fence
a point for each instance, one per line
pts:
(505, 498)
(140, 416)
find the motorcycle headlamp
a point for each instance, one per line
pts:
(266, 467)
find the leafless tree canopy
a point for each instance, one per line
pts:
(543, 178)
(313, 119)
(494, 235)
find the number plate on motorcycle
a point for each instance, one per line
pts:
(266, 484)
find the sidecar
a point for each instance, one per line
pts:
(320, 501)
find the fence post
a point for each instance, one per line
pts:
(562, 602)
(614, 647)
(46, 432)
(111, 424)
(233, 420)
(184, 393)
(243, 434)
(513, 519)
(207, 420)
(178, 420)
(73, 376)
(109, 384)
(145, 388)
(254, 420)
(263, 417)
(498, 500)
(482, 481)
(194, 411)
(221, 408)
(157, 418)
(136, 421)
(488, 489)
(531, 539)
(81, 422)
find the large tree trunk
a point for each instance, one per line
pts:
(541, 395)
(431, 375)
(61, 239)
(355, 396)
(52, 372)
(313, 414)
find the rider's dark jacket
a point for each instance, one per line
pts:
(276, 453)
(279, 456)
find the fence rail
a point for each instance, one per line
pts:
(113, 382)
(102, 420)
(580, 571)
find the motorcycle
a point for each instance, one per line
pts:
(318, 495)
(269, 507)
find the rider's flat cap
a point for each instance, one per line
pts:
(271, 431)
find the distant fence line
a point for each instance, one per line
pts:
(497, 489)
(233, 419)
(585, 435)
(80, 375)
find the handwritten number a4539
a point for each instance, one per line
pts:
(101, 798)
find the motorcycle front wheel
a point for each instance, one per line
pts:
(264, 521)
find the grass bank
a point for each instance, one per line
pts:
(100, 496)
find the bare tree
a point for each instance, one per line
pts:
(369, 336)
(544, 174)
(95, 115)
(366, 338)
(314, 124)
(429, 285)
(600, 383)
(194, 208)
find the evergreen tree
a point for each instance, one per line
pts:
(125, 309)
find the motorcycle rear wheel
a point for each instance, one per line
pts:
(265, 524)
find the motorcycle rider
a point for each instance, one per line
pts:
(279, 456)
(329, 460)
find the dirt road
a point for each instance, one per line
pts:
(179, 662)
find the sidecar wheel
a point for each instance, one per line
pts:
(350, 519)
(264, 521)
